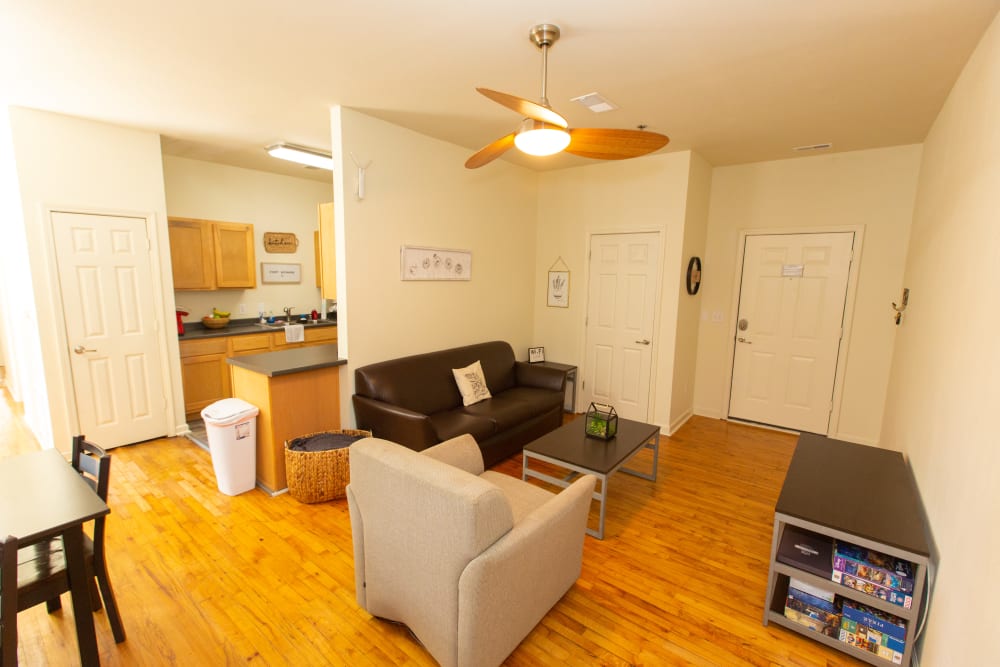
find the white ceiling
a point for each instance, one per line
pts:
(735, 80)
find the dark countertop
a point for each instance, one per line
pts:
(285, 362)
(194, 330)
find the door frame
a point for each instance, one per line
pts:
(654, 359)
(833, 427)
(170, 371)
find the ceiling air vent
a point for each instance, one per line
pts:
(813, 147)
(595, 102)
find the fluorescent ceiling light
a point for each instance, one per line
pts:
(308, 156)
(538, 138)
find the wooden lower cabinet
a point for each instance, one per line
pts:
(205, 373)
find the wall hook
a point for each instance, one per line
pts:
(902, 307)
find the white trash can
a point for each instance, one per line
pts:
(231, 425)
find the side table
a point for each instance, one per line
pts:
(570, 404)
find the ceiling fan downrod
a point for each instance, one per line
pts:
(543, 36)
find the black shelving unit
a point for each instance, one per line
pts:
(858, 494)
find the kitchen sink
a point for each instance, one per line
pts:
(281, 324)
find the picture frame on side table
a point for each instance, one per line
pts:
(536, 355)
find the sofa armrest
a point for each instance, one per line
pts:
(391, 422)
(461, 452)
(543, 377)
(529, 569)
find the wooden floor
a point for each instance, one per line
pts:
(205, 579)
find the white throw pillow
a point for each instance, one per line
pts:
(472, 383)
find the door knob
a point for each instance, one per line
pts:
(644, 341)
(80, 349)
(741, 339)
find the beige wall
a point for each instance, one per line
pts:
(419, 193)
(271, 203)
(874, 189)
(689, 307)
(945, 382)
(644, 194)
(75, 164)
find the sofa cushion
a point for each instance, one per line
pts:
(507, 412)
(542, 399)
(471, 383)
(451, 423)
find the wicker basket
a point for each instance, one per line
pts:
(316, 477)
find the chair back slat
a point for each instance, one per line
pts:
(93, 463)
(8, 601)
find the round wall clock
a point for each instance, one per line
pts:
(694, 275)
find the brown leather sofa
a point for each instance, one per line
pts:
(414, 400)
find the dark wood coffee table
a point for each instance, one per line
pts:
(570, 448)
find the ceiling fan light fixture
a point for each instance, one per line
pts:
(540, 139)
(311, 157)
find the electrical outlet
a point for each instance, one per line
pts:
(242, 309)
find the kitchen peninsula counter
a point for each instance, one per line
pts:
(297, 392)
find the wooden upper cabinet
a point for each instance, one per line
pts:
(191, 250)
(208, 255)
(234, 257)
(328, 252)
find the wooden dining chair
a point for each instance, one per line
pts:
(42, 566)
(8, 601)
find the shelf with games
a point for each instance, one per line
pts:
(857, 506)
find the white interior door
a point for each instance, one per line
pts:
(106, 286)
(789, 328)
(624, 271)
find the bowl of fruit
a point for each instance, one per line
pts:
(217, 320)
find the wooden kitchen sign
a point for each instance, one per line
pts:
(280, 242)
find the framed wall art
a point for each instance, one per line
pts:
(420, 263)
(557, 286)
(536, 354)
(271, 272)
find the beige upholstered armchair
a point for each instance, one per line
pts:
(469, 560)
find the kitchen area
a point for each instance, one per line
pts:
(253, 259)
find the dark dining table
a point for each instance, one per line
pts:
(43, 496)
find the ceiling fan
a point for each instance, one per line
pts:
(545, 132)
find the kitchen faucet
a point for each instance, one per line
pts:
(288, 312)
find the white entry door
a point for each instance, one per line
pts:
(624, 272)
(107, 288)
(789, 328)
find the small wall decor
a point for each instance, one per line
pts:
(280, 273)
(285, 242)
(420, 263)
(536, 354)
(558, 285)
(694, 275)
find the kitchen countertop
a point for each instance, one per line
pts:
(194, 330)
(285, 362)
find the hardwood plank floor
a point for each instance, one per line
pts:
(206, 579)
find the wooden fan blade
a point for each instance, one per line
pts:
(525, 108)
(608, 144)
(491, 152)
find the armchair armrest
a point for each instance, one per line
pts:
(391, 422)
(461, 452)
(543, 377)
(530, 567)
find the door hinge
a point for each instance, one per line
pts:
(583, 385)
